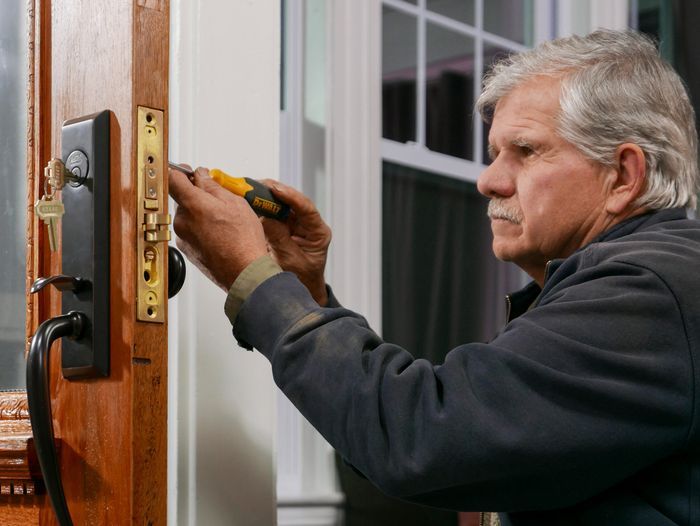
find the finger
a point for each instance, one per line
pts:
(181, 189)
(184, 168)
(206, 183)
(303, 207)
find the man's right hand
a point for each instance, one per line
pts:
(300, 244)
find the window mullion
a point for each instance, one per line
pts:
(478, 73)
(421, 75)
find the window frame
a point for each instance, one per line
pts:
(415, 153)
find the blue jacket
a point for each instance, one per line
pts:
(583, 410)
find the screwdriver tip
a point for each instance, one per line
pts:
(189, 173)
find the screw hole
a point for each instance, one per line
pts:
(149, 117)
(150, 159)
(146, 275)
(151, 312)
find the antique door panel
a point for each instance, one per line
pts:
(88, 57)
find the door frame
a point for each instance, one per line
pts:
(111, 432)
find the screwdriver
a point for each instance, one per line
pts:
(258, 195)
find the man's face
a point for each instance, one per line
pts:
(547, 200)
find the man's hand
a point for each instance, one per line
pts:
(300, 245)
(217, 230)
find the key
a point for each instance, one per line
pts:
(50, 210)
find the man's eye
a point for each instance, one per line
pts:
(526, 150)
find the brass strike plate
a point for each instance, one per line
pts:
(153, 218)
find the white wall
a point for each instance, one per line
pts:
(224, 112)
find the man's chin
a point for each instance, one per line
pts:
(505, 248)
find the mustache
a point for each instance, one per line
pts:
(499, 210)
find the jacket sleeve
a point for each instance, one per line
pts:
(581, 392)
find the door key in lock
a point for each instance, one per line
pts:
(49, 208)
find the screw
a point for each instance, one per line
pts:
(152, 192)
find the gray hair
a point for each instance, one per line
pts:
(615, 89)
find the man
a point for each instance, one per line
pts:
(584, 409)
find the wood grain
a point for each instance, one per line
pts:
(113, 452)
(21, 495)
(120, 445)
(150, 366)
(15, 462)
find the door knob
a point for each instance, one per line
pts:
(176, 271)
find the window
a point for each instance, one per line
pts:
(13, 197)
(673, 25)
(441, 285)
(434, 53)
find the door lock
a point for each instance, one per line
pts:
(152, 214)
(83, 208)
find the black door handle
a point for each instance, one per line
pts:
(176, 271)
(39, 401)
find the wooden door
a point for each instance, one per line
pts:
(85, 57)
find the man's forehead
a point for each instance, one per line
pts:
(528, 108)
(540, 90)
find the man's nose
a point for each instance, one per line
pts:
(496, 181)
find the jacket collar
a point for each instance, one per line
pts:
(520, 301)
(642, 221)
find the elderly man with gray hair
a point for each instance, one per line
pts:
(585, 408)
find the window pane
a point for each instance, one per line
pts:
(512, 19)
(441, 284)
(462, 10)
(13, 197)
(399, 58)
(449, 92)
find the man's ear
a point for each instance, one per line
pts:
(629, 178)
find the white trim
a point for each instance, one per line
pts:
(221, 406)
(314, 516)
(576, 17)
(611, 14)
(354, 161)
(572, 17)
(477, 125)
(545, 21)
(475, 31)
(416, 156)
(421, 66)
(291, 145)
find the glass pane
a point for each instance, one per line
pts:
(13, 197)
(461, 10)
(492, 54)
(512, 19)
(441, 284)
(449, 92)
(399, 58)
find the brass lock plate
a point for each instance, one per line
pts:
(152, 216)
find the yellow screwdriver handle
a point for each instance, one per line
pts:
(257, 194)
(235, 185)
